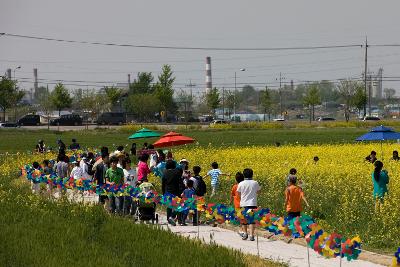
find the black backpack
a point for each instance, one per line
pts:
(201, 189)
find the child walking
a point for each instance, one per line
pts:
(189, 192)
(235, 197)
(293, 197)
(215, 173)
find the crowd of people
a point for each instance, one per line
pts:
(119, 167)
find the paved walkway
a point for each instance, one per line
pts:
(293, 254)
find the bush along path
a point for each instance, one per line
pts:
(328, 245)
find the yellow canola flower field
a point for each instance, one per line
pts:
(338, 188)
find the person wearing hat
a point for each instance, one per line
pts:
(294, 196)
(74, 145)
(40, 147)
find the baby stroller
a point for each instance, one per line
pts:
(145, 212)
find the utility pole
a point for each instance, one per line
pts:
(234, 98)
(190, 85)
(223, 103)
(365, 77)
(369, 95)
(234, 101)
(280, 92)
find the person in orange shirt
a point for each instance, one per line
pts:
(293, 198)
(235, 197)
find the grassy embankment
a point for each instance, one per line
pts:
(39, 232)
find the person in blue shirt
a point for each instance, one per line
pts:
(215, 173)
(380, 179)
(189, 192)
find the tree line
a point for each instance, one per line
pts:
(149, 99)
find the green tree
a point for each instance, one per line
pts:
(347, 90)
(60, 98)
(10, 94)
(143, 106)
(143, 84)
(77, 99)
(233, 101)
(113, 94)
(213, 100)
(311, 99)
(359, 98)
(249, 94)
(185, 103)
(389, 93)
(164, 90)
(266, 102)
(45, 105)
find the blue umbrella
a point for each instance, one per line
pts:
(380, 133)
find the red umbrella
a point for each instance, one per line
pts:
(173, 139)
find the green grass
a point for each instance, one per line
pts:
(21, 140)
(39, 232)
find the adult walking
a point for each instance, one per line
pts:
(172, 184)
(100, 176)
(248, 191)
(380, 179)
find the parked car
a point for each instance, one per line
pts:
(325, 119)
(112, 118)
(8, 125)
(371, 118)
(218, 122)
(70, 119)
(31, 120)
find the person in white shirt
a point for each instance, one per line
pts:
(130, 177)
(77, 171)
(85, 167)
(248, 191)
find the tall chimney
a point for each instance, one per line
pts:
(208, 75)
(35, 77)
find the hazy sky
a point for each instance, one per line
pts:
(206, 23)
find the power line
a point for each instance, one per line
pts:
(163, 61)
(183, 47)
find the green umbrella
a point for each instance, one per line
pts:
(144, 133)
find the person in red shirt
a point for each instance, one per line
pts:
(294, 196)
(235, 197)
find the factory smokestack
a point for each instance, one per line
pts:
(35, 77)
(208, 75)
